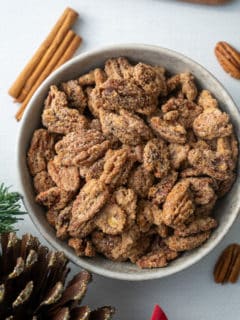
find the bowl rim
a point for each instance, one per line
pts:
(53, 241)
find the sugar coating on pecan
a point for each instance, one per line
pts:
(212, 123)
(186, 82)
(58, 118)
(114, 166)
(206, 100)
(41, 151)
(75, 95)
(170, 132)
(140, 180)
(158, 257)
(66, 178)
(62, 222)
(156, 157)
(94, 77)
(178, 154)
(197, 226)
(184, 111)
(179, 204)
(127, 201)
(111, 219)
(177, 243)
(42, 181)
(210, 163)
(82, 247)
(131, 162)
(127, 127)
(158, 192)
(54, 197)
(81, 148)
(89, 201)
(118, 94)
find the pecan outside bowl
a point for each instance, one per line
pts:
(226, 209)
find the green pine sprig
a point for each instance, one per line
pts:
(10, 209)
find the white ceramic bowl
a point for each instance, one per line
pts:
(227, 208)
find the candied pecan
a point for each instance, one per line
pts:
(91, 198)
(111, 219)
(54, 197)
(51, 216)
(82, 247)
(153, 259)
(55, 99)
(147, 215)
(212, 123)
(162, 230)
(234, 147)
(117, 94)
(178, 154)
(140, 181)
(202, 145)
(179, 205)
(128, 241)
(113, 169)
(136, 152)
(62, 222)
(209, 163)
(190, 172)
(128, 128)
(63, 120)
(66, 178)
(75, 95)
(106, 243)
(198, 225)
(93, 171)
(186, 82)
(41, 151)
(151, 79)
(95, 124)
(94, 77)
(139, 248)
(42, 181)
(89, 156)
(158, 192)
(81, 148)
(206, 100)
(224, 186)
(158, 257)
(118, 68)
(224, 150)
(171, 132)
(83, 230)
(204, 210)
(156, 158)
(92, 105)
(202, 189)
(184, 111)
(144, 215)
(127, 200)
(177, 243)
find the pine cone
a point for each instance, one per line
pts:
(32, 284)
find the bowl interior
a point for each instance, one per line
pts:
(226, 209)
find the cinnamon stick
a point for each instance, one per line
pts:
(67, 19)
(64, 52)
(70, 51)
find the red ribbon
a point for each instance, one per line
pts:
(158, 314)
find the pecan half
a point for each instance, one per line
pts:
(227, 268)
(229, 58)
